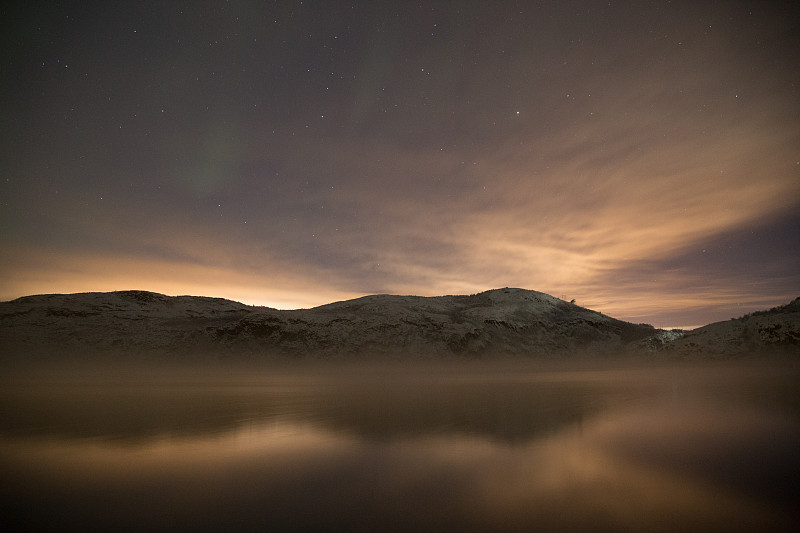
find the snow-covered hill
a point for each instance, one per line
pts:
(513, 322)
(506, 322)
(776, 330)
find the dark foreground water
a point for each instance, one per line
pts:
(451, 447)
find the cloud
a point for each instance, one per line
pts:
(432, 153)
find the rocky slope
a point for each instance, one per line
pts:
(512, 322)
(775, 331)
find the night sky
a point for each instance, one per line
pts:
(640, 157)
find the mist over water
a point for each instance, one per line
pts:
(505, 445)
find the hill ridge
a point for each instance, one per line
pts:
(505, 321)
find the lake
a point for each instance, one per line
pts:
(503, 446)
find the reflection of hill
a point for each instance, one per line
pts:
(505, 412)
(455, 447)
(502, 410)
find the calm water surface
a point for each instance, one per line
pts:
(449, 447)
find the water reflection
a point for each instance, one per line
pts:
(449, 449)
